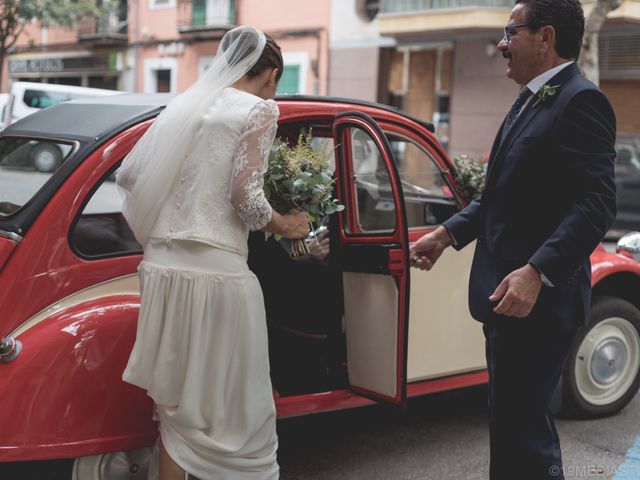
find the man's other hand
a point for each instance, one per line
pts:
(517, 293)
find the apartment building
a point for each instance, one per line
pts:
(436, 59)
(445, 65)
(164, 45)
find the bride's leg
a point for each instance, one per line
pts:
(169, 470)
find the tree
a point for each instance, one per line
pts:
(589, 55)
(16, 14)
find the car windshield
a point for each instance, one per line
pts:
(25, 166)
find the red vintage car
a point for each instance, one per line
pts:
(69, 289)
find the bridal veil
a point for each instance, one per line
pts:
(153, 165)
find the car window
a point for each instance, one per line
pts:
(376, 209)
(428, 199)
(101, 230)
(43, 99)
(25, 166)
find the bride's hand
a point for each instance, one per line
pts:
(292, 225)
(297, 222)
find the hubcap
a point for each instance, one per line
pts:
(125, 465)
(129, 465)
(45, 161)
(608, 361)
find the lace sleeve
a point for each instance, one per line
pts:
(250, 165)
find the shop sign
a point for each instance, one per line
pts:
(53, 65)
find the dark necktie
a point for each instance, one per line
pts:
(515, 110)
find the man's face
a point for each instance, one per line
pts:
(523, 49)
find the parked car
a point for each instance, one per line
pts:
(69, 289)
(25, 98)
(627, 182)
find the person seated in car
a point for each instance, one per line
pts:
(303, 295)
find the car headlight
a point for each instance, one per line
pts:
(629, 245)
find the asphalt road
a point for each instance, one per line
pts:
(442, 437)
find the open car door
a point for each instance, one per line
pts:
(373, 254)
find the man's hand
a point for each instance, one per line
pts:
(425, 252)
(518, 292)
(319, 246)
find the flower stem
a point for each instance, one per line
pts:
(299, 248)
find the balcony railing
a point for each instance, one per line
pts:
(108, 28)
(202, 15)
(402, 6)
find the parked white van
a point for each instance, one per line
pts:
(26, 98)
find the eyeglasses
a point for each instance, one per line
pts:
(511, 30)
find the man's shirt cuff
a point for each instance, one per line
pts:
(543, 278)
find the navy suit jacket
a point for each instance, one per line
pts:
(549, 199)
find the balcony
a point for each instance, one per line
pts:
(414, 6)
(208, 17)
(442, 17)
(109, 29)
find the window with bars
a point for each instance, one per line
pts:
(213, 12)
(619, 56)
(400, 6)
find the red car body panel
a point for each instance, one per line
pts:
(63, 396)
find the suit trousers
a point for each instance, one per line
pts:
(525, 363)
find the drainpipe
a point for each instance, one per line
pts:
(136, 38)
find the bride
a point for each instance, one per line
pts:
(192, 190)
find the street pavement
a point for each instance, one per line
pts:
(442, 437)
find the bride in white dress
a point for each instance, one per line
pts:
(193, 190)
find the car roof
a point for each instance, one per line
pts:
(77, 119)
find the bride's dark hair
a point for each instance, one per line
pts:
(271, 58)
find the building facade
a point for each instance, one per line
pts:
(436, 59)
(445, 66)
(165, 45)
(355, 50)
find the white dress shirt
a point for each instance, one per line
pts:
(536, 84)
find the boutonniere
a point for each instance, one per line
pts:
(546, 92)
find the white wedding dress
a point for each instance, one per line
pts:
(201, 345)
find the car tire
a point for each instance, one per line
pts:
(127, 465)
(602, 373)
(45, 157)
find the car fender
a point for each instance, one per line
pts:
(606, 264)
(64, 396)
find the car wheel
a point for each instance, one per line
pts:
(129, 465)
(603, 371)
(46, 157)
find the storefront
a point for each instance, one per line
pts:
(99, 69)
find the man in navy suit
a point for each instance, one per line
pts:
(549, 199)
